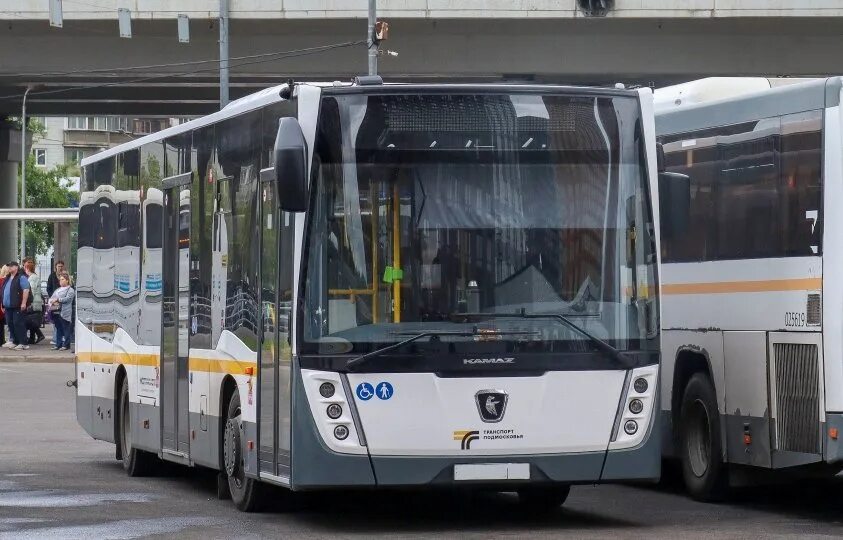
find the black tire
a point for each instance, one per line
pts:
(700, 446)
(543, 500)
(245, 492)
(135, 462)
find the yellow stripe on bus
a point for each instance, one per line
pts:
(216, 365)
(723, 287)
(150, 360)
(200, 364)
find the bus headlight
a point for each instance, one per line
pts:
(326, 390)
(640, 385)
(636, 406)
(630, 427)
(334, 411)
(341, 432)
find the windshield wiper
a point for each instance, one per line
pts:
(478, 332)
(598, 343)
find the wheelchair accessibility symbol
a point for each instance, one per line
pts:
(365, 391)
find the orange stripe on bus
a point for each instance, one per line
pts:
(722, 287)
(211, 365)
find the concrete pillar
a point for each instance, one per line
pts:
(61, 244)
(8, 199)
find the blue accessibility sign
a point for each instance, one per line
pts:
(385, 390)
(365, 391)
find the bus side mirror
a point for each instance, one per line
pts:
(291, 166)
(674, 203)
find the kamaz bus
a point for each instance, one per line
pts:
(752, 379)
(374, 285)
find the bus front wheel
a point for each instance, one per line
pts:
(703, 469)
(135, 462)
(244, 490)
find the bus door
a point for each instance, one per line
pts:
(174, 332)
(274, 359)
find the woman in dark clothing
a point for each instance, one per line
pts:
(4, 273)
(52, 285)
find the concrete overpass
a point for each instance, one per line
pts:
(642, 41)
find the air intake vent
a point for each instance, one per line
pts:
(814, 310)
(797, 397)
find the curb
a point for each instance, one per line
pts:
(37, 359)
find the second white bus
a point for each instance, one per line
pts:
(752, 379)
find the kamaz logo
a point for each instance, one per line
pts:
(473, 361)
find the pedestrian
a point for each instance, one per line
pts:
(16, 300)
(61, 306)
(4, 272)
(35, 315)
(53, 280)
(52, 285)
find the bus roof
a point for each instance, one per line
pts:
(244, 104)
(804, 96)
(273, 95)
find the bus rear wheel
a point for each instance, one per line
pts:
(245, 492)
(703, 469)
(543, 500)
(135, 462)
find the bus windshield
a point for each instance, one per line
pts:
(429, 206)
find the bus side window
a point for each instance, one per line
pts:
(801, 170)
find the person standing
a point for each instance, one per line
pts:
(61, 304)
(4, 272)
(53, 280)
(16, 300)
(35, 315)
(52, 285)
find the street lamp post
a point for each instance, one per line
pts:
(23, 173)
(370, 39)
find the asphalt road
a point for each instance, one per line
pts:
(55, 482)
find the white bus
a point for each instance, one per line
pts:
(410, 285)
(752, 379)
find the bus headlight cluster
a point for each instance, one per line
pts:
(333, 411)
(634, 416)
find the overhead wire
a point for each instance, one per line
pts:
(174, 64)
(261, 58)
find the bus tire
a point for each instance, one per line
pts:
(543, 500)
(136, 462)
(245, 491)
(703, 470)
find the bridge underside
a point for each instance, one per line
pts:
(597, 51)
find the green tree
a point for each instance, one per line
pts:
(45, 189)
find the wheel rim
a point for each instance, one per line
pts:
(125, 446)
(232, 455)
(699, 438)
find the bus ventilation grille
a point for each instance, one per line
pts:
(797, 397)
(814, 310)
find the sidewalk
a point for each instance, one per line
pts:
(37, 353)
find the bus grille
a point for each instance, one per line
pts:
(797, 398)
